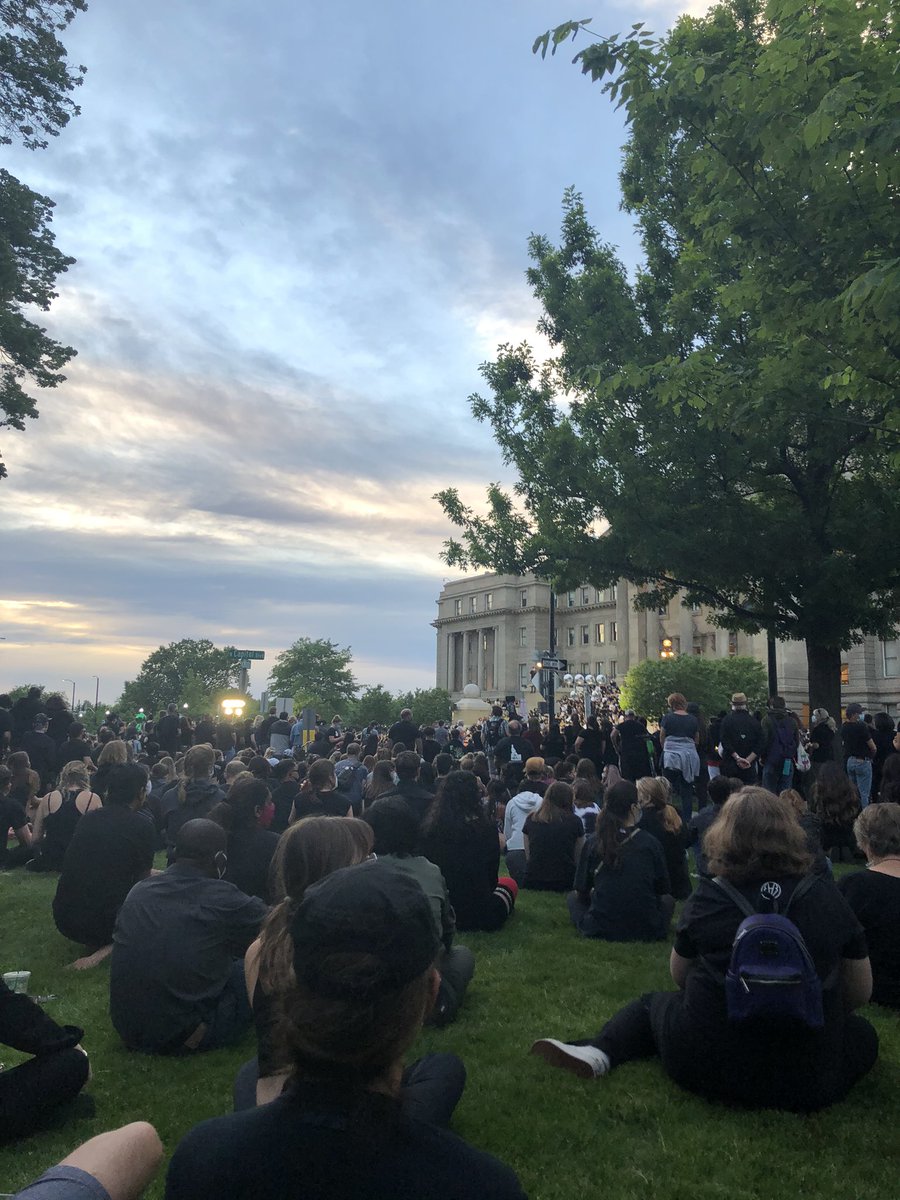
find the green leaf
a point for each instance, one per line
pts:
(699, 74)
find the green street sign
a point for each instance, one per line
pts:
(247, 653)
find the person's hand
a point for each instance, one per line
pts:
(87, 1056)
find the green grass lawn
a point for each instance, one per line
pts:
(633, 1134)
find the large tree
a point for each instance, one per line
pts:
(722, 423)
(36, 86)
(315, 672)
(192, 671)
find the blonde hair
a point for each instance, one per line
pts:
(235, 769)
(115, 753)
(756, 837)
(74, 773)
(654, 793)
(197, 765)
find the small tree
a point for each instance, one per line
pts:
(709, 682)
(428, 704)
(188, 672)
(375, 703)
(315, 672)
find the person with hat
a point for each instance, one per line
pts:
(781, 737)
(859, 750)
(352, 1122)
(741, 738)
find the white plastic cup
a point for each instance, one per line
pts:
(17, 981)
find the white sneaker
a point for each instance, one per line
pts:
(587, 1062)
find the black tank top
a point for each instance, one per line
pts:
(264, 1020)
(58, 829)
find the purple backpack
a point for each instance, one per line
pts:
(771, 975)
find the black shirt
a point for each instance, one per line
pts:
(42, 752)
(283, 796)
(417, 797)
(318, 1143)
(741, 734)
(173, 947)
(111, 849)
(504, 749)
(674, 847)
(875, 899)
(551, 851)
(856, 736)
(625, 903)
(683, 725)
(823, 735)
(469, 858)
(322, 804)
(76, 751)
(404, 731)
(12, 815)
(250, 853)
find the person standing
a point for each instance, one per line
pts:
(741, 737)
(42, 752)
(781, 737)
(679, 735)
(859, 750)
(404, 730)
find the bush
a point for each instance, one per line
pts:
(710, 682)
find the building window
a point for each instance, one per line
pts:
(524, 676)
(613, 631)
(676, 645)
(523, 635)
(600, 634)
(570, 599)
(473, 604)
(489, 600)
(732, 645)
(695, 607)
(712, 643)
(663, 610)
(523, 598)
(585, 635)
(612, 668)
(570, 636)
(457, 608)
(599, 668)
(585, 596)
(845, 672)
(585, 668)
(891, 659)
(614, 592)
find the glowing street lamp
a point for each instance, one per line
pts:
(233, 709)
(666, 650)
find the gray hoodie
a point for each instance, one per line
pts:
(518, 811)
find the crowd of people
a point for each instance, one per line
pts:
(316, 882)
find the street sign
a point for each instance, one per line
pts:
(554, 664)
(247, 653)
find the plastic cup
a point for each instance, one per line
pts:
(17, 981)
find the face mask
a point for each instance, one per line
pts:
(148, 786)
(395, 777)
(639, 817)
(267, 812)
(221, 864)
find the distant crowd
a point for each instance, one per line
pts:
(316, 882)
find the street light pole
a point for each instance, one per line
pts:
(72, 681)
(551, 675)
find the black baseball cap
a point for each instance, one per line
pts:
(371, 909)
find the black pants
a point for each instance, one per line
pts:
(31, 1093)
(579, 908)
(643, 1029)
(515, 865)
(457, 966)
(430, 1091)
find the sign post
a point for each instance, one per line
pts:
(244, 658)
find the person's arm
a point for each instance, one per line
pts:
(579, 742)
(579, 846)
(855, 982)
(679, 968)
(244, 916)
(662, 736)
(123, 1161)
(37, 831)
(527, 841)
(873, 749)
(251, 967)
(25, 1026)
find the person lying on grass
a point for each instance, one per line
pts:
(763, 1037)
(354, 1122)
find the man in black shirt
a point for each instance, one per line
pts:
(741, 736)
(111, 849)
(859, 751)
(168, 729)
(177, 978)
(42, 752)
(404, 730)
(417, 797)
(354, 1124)
(76, 748)
(513, 748)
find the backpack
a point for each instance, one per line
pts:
(784, 740)
(771, 974)
(494, 730)
(346, 780)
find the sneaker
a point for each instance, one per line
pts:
(587, 1062)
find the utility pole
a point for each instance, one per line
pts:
(773, 666)
(551, 675)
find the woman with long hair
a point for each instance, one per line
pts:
(874, 895)
(836, 802)
(459, 838)
(589, 745)
(554, 836)
(197, 793)
(661, 820)
(319, 795)
(114, 754)
(246, 814)
(586, 807)
(57, 815)
(822, 730)
(622, 889)
(754, 1045)
(381, 780)
(24, 784)
(307, 852)
(890, 780)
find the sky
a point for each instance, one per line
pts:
(299, 229)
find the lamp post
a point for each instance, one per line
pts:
(72, 681)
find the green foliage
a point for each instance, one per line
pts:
(732, 409)
(633, 1135)
(36, 80)
(375, 703)
(21, 690)
(428, 704)
(192, 671)
(36, 83)
(317, 673)
(709, 682)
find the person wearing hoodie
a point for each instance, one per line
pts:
(198, 793)
(525, 802)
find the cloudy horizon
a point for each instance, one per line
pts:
(298, 234)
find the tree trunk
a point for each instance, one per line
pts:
(824, 675)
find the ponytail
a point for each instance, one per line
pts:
(610, 834)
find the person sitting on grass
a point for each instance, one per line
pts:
(719, 788)
(319, 795)
(117, 1165)
(622, 889)
(553, 837)
(519, 808)
(246, 814)
(836, 802)
(762, 1047)
(114, 753)
(586, 807)
(12, 816)
(811, 824)
(419, 798)
(874, 896)
(32, 1093)
(110, 851)
(58, 814)
(197, 793)
(176, 981)
(396, 833)
(459, 838)
(353, 1121)
(307, 852)
(662, 820)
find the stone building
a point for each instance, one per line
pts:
(492, 628)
